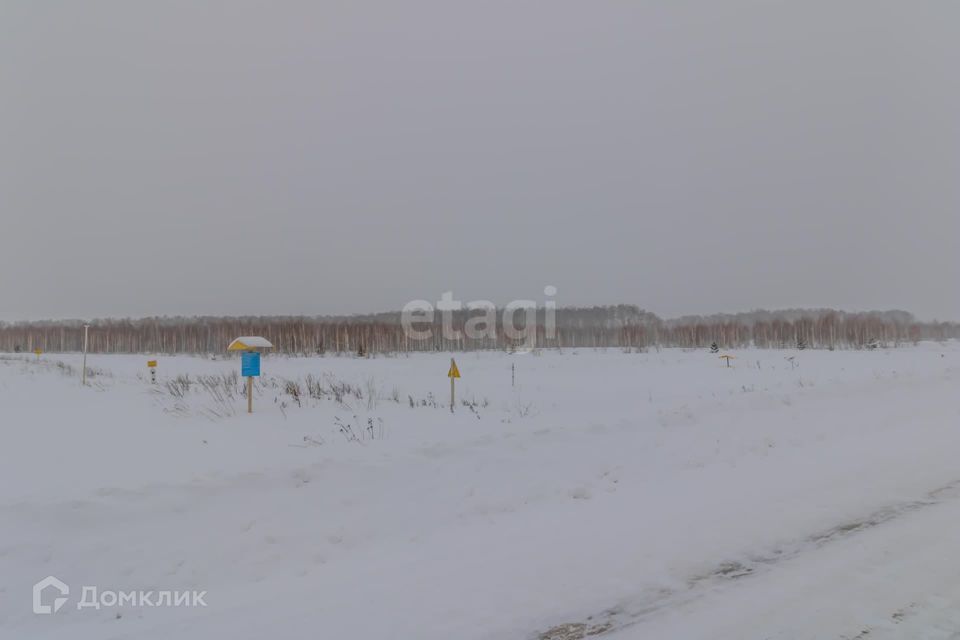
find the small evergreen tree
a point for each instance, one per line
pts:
(714, 348)
(801, 344)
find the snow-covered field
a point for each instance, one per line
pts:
(643, 495)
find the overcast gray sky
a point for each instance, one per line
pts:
(333, 157)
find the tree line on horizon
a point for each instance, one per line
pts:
(617, 326)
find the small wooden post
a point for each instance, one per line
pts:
(513, 375)
(86, 338)
(249, 394)
(452, 393)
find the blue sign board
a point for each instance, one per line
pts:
(249, 363)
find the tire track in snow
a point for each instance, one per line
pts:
(634, 611)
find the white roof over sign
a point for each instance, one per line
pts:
(249, 342)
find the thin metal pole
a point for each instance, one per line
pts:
(249, 394)
(86, 337)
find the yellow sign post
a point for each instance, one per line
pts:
(38, 351)
(453, 374)
(152, 365)
(727, 358)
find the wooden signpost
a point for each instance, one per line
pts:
(250, 368)
(727, 358)
(453, 374)
(249, 360)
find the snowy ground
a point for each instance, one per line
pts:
(653, 495)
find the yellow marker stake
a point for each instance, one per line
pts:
(728, 359)
(453, 374)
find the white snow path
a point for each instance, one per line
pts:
(897, 579)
